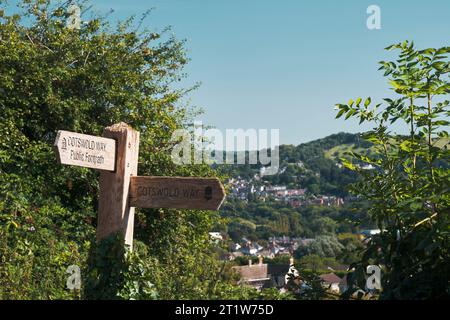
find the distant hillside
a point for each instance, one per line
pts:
(312, 165)
(340, 151)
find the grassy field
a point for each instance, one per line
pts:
(340, 151)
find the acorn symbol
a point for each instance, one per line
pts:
(208, 193)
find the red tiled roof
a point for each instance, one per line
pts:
(330, 278)
(253, 272)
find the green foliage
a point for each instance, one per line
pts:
(116, 273)
(308, 286)
(258, 220)
(36, 247)
(54, 78)
(353, 248)
(409, 189)
(316, 263)
(322, 246)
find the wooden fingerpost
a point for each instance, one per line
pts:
(114, 212)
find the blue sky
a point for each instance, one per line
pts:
(283, 64)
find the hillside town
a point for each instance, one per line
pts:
(243, 189)
(278, 275)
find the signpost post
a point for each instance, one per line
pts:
(121, 190)
(114, 212)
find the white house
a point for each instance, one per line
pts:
(216, 236)
(331, 282)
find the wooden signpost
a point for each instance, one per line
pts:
(85, 151)
(116, 154)
(176, 192)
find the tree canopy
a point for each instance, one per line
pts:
(57, 78)
(409, 187)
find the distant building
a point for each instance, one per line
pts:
(231, 256)
(295, 203)
(300, 164)
(267, 253)
(291, 192)
(275, 249)
(331, 282)
(263, 275)
(235, 247)
(370, 232)
(216, 236)
(277, 274)
(252, 275)
(251, 249)
(274, 189)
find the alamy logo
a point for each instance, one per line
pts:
(74, 21)
(74, 280)
(373, 282)
(210, 146)
(374, 20)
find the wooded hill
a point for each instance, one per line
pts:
(313, 165)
